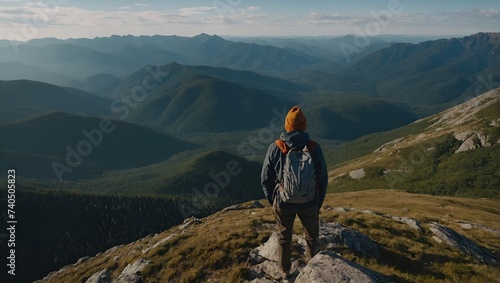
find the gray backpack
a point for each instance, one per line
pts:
(299, 177)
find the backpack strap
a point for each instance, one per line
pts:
(282, 146)
(311, 145)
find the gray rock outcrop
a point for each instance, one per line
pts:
(448, 236)
(469, 144)
(132, 272)
(357, 174)
(159, 243)
(477, 140)
(329, 267)
(100, 277)
(414, 224)
(332, 235)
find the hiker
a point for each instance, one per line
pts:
(278, 182)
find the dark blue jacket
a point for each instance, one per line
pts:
(272, 170)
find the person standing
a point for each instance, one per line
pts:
(281, 175)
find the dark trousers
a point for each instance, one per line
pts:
(284, 218)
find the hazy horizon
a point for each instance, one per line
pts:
(22, 20)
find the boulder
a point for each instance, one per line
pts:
(265, 257)
(331, 235)
(269, 250)
(132, 272)
(408, 221)
(261, 280)
(462, 136)
(81, 260)
(468, 144)
(100, 277)
(232, 207)
(334, 235)
(483, 139)
(357, 174)
(159, 243)
(328, 267)
(189, 222)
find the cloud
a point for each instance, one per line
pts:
(35, 19)
(191, 11)
(320, 18)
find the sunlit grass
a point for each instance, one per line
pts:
(217, 249)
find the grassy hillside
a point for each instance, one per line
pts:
(466, 174)
(217, 249)
(422, 157)
(65, 221)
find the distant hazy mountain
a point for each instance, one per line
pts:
(73, 61)
(102, 83)
(434, 72)
(22, 98)
(15, 71)
(216, 51)
(342, 50)
(98, 144)
(122, 55)
(175, 74)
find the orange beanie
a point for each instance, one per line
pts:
(295, 120)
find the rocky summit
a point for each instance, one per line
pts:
(390, 236)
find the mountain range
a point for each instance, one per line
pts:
(80, 58)
(135, 134)
(451, 153)
(441, 71)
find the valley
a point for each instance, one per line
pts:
(117, 138)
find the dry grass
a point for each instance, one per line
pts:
(217, 249)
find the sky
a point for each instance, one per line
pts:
(24, 20)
